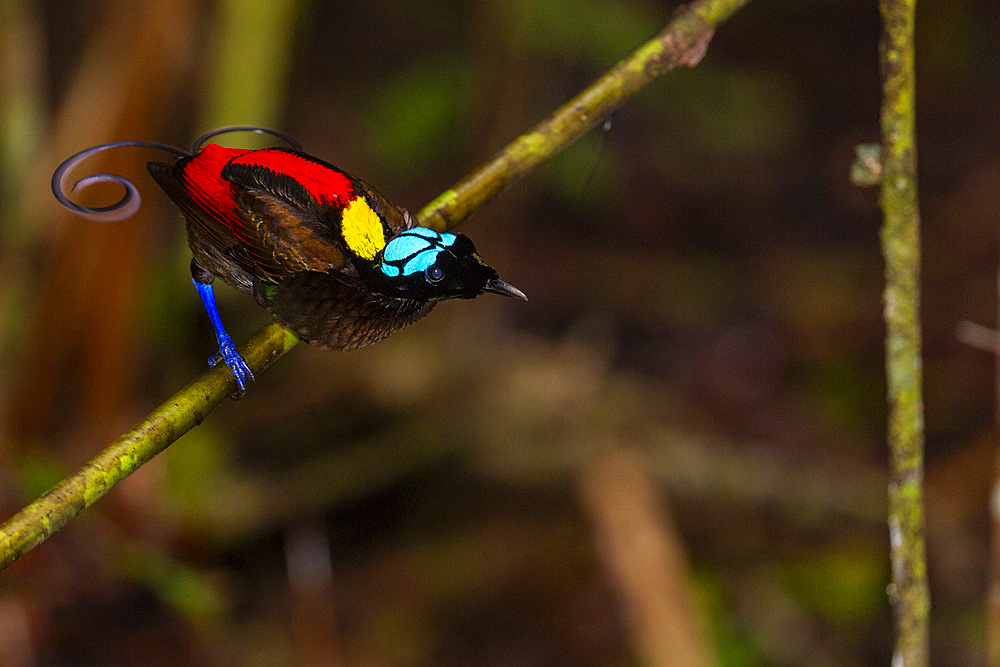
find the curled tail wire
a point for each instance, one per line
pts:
(130, 201)
(200, 141)
(124, 207)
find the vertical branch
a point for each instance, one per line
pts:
(993, 591)
(900, 246)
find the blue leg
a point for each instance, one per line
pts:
(227, 349)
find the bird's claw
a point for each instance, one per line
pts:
(237, 364)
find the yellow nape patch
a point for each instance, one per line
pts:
(362, 229)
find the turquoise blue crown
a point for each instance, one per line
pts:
(414, 251)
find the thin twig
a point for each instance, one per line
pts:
(981, 338)
(682, 42)
(901, 248)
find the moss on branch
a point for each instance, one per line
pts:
(901, 250)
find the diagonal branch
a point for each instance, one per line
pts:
(682, 42)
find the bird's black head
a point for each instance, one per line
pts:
(426, 265)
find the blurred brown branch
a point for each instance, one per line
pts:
(645, 557)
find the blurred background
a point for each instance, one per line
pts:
(674, 451)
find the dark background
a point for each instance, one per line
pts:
(703, 332)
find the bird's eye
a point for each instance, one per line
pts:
(434, 273)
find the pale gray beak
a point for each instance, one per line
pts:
(498, 286)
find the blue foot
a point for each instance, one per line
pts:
(227, 353)
(227, 350)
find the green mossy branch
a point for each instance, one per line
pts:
(901, 249)
(682, 42)
(179, 414)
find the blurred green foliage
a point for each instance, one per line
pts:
(588, 33)
(414, 117)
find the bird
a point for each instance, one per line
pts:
(325, 253)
